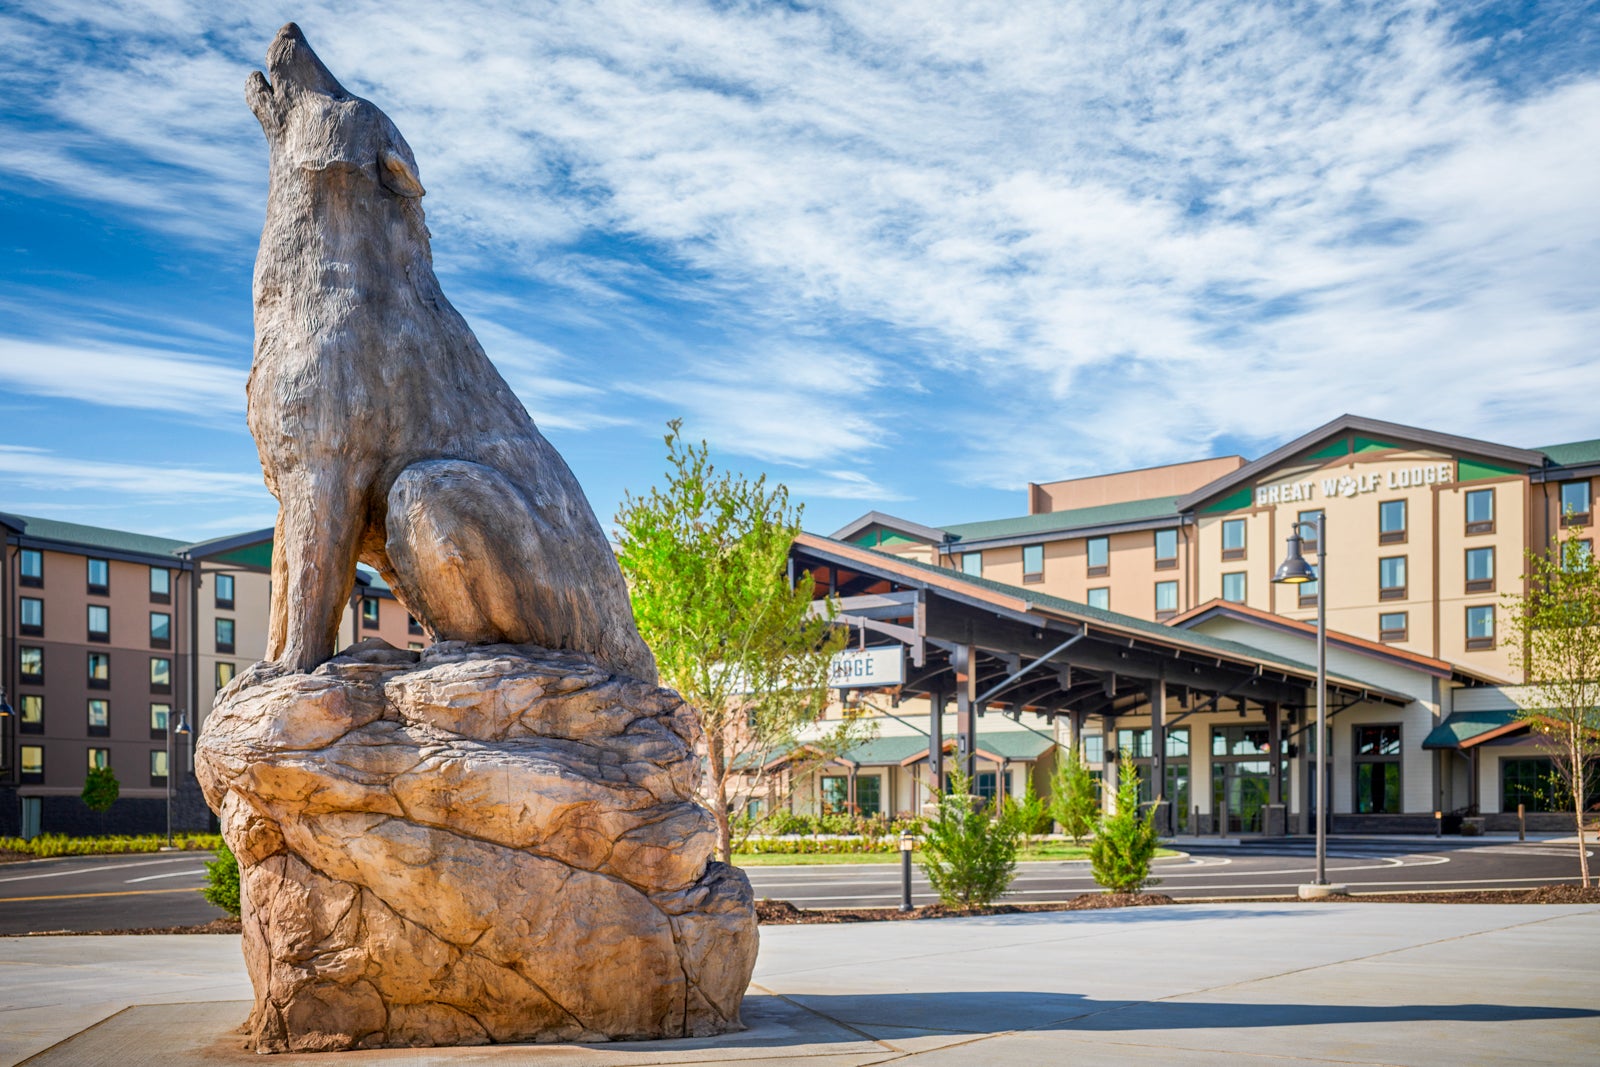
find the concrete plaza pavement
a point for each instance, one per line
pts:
(1447, 984)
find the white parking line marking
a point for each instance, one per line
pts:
(92, 870)
(171, 874)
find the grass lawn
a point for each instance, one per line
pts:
(1048, 850)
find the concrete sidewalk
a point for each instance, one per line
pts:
(1201, 984)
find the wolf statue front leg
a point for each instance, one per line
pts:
(321, 516)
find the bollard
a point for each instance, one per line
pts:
(1438, 824)
(1194, 820)
(1522, 822)
(905, 872)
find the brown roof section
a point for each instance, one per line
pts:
(1442, 668)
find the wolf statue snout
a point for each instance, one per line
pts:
(384, 431)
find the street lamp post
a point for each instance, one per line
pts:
(182, 730)
(1294, 570)
(907, 842)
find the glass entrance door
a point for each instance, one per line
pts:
(1240, 789)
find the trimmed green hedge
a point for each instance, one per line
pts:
(47, 845)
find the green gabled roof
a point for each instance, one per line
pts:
(1573, 452)
(897, 748)
(1462, 727)
(1163, 507)
(72, 533)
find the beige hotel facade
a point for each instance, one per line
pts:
(1425, 533)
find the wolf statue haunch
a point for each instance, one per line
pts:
(384, 431)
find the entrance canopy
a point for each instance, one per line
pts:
(997, 647)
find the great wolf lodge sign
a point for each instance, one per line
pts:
(1355, 484)
(868, 667)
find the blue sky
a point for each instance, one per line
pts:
(899, 256)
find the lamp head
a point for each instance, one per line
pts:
(183, 725)
(1294, 570)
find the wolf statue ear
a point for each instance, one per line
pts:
(398, 174)
(263, 103)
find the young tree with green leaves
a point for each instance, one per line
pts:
(970, 853)
(100, 789)
(706, 558)
(1125, 842)
(1074, 795)
(1556, 628)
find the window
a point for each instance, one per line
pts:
(99, 670)
(99, 622)
(1309, 529)
(1575, 503)
(32, 763)
(1392, 626)
(224, 591)
(1392, 522)
(1480, 570)
(1531, 782)
(160, 629)
(99, 758)
(160, 585)
(1166, 549)
(1377, 766)
(1166, 599)
(1033, 563)
(1480, 627)
(1094, 748)
(835, 794)
(158, 766)
(224, 635)
(1100, 598)
(160, 716)
(31, 562)
(160, 674)
(412, 625)
(30, 662)
(225, 673)
(972, 563)
(99, 718)
(1099, 549)
(1575, 554)
(869, 795)
(1233, 539)
(1392, 578)
(1308, 593)
(1233, 587)
(1239, 740)
(369, 613)
(414, 646)
(1480, 511)
(99, 576)
(984, 785)
(31, 713)
(30, 616)
(1135, 744)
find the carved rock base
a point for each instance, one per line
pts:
(473, 845)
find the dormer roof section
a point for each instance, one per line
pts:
(1359, 433)
(877, 528)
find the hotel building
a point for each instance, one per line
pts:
(111, 639)
(1425, 533)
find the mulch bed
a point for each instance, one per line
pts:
(1544, 894)
(783, 913)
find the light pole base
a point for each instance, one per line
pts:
(1319, 892)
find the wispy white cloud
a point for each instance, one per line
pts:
(780, 405)
(197, 388)
(1092, 236)
(37, 469)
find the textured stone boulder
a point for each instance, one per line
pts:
(472, 845)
